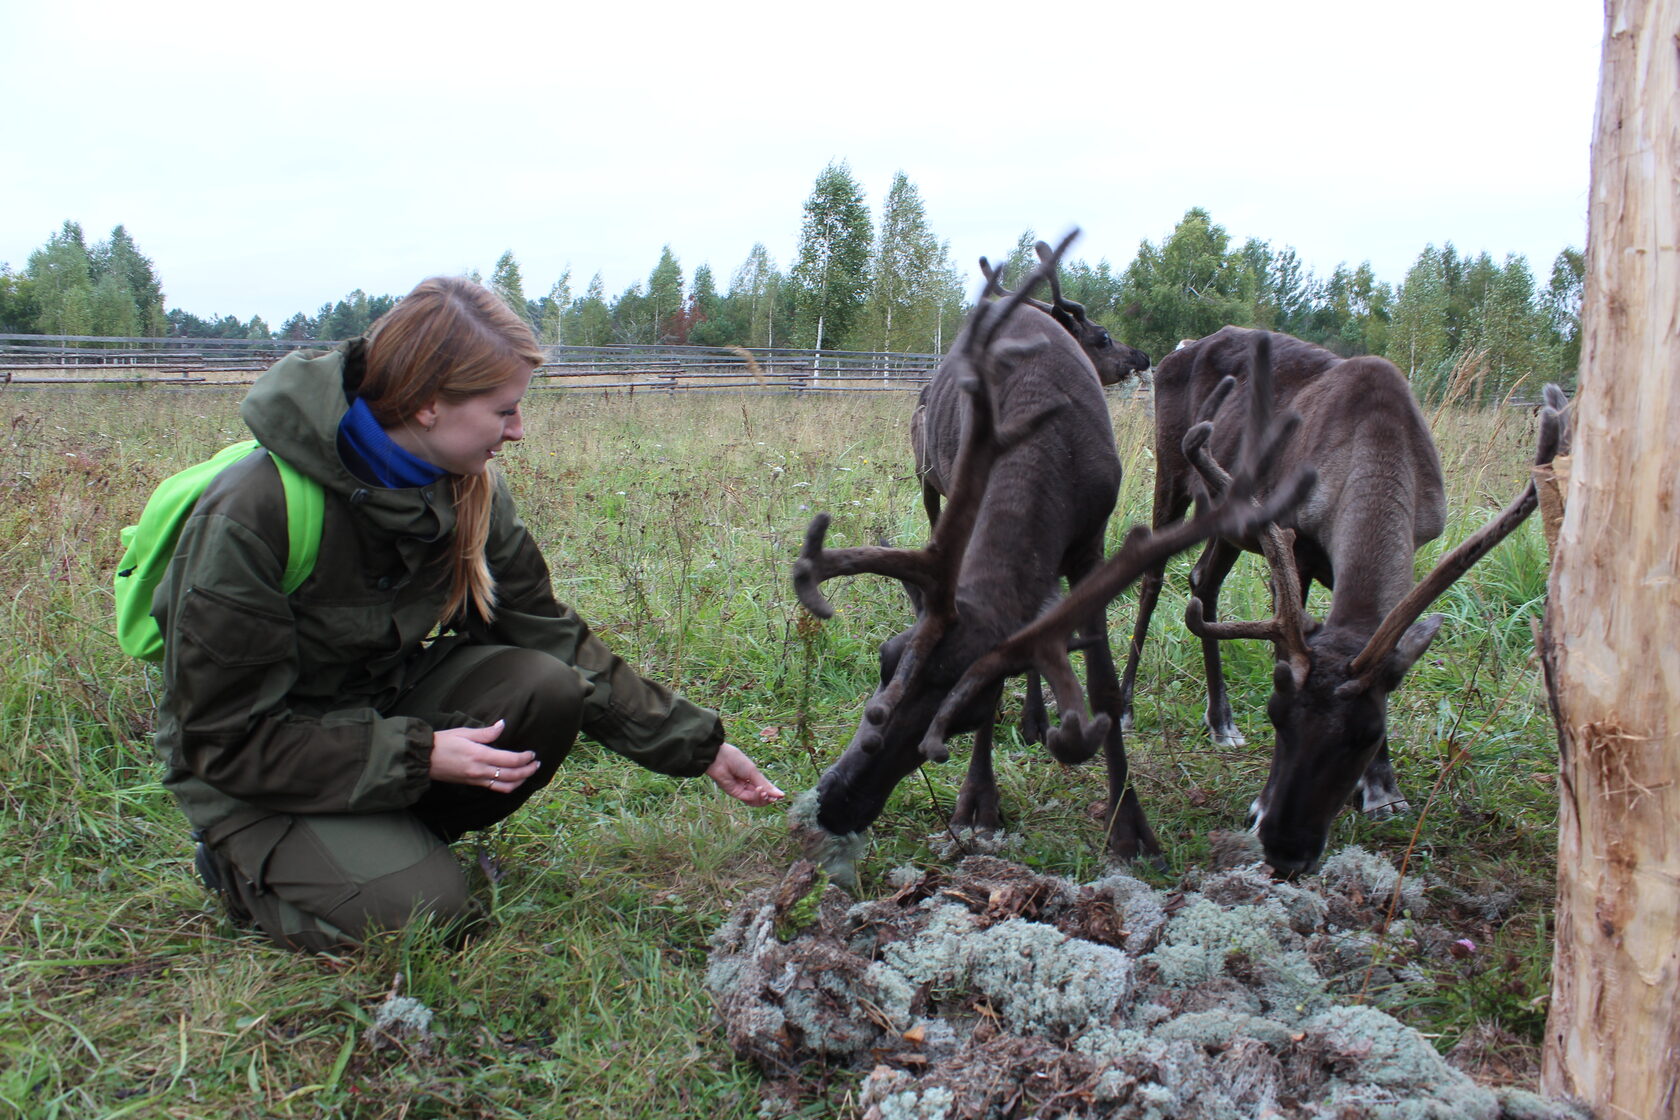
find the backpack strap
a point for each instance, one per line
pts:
(305, 512)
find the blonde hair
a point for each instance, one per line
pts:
(450, 339)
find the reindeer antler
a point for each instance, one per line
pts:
(1044, 642)
(1289, 625)
(934, 569)
(1553, 440)
(1059, 306)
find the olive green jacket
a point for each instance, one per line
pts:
(272, 702)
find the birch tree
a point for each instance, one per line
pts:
(831, 276)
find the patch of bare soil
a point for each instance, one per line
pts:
(991, 991)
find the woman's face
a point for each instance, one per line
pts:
(463, 436)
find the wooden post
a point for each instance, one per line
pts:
(1613, 646)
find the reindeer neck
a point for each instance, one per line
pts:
(1371, 557)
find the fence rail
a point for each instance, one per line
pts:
(74, 360)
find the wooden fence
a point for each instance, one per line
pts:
(71, 360)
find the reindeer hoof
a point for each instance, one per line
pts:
(1388, 809)
(1076, 741)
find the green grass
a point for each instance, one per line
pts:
(671, 524)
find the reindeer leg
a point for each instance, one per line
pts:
(1378, 793)
(1035, 723)
(1149, 593)
(977, 801)
(1128, 833)
(1206, 578)
(1169, 507)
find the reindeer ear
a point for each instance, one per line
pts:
(914, 594)
(1394, 667)
(1286, 678)
(1415, 640)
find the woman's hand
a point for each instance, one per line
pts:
(463, 755)
(736, 775)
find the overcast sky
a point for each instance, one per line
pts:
(270, 158)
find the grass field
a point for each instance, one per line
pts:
(671, 524)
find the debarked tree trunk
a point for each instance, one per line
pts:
(1613, 632)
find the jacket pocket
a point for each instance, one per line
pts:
(232, 634)
(273, 855)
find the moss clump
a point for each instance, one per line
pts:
(800, 913)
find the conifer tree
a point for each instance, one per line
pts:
(664, 306)
(120, 257)
(592, 318)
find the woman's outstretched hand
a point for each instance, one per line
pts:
(463, 755)
(737, 776)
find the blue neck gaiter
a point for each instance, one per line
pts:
(373, 456)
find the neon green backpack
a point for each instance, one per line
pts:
(150, 545)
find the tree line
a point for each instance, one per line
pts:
(858, 284)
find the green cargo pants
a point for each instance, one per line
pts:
(326, 881)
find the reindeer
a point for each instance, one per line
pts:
(1035, 418)
(934, 436)
(1114, 362)
(1379, 498)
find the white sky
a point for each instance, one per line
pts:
(272, 157)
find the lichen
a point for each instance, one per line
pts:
(955, 844)
(1520, 1104)
(1041, 981)
(1252, 945)
(836, 854)
(890, 1094)
(989, 989)
(1399, 1075)
(401, 1020)
(1357, 872)
(1140, 909)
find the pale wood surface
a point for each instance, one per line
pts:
(1614, 1034)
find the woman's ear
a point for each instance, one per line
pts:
(427, 415)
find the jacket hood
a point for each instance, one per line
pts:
(294, 410)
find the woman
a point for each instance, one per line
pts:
(327, 746)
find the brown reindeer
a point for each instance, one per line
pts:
(1033, 418)
(1378, 499)
(935, 434)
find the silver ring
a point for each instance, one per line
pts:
(491, 784)
(497, 776)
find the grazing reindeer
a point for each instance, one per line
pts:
(935, 431)
(1379, 498)
(1012, 527)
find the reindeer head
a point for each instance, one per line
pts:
(1331, 683)
(1114, 361)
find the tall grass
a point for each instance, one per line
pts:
(670, 523)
